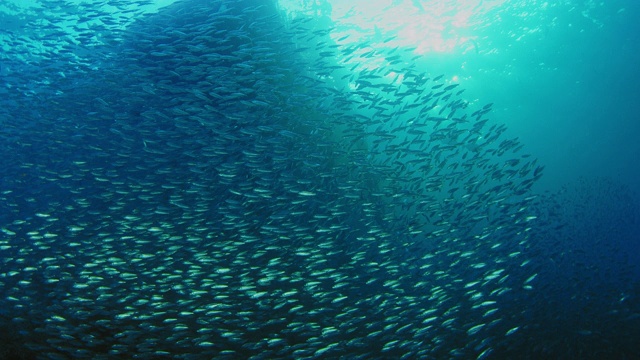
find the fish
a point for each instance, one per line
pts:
(237, 191)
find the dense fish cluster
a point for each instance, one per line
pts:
(217, 183)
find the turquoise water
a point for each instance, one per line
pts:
(252, 179)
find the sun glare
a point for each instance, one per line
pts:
(426, 26)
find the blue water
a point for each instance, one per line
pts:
(250, 192)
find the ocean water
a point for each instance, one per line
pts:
(319, 179)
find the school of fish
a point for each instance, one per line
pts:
(212, 181)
